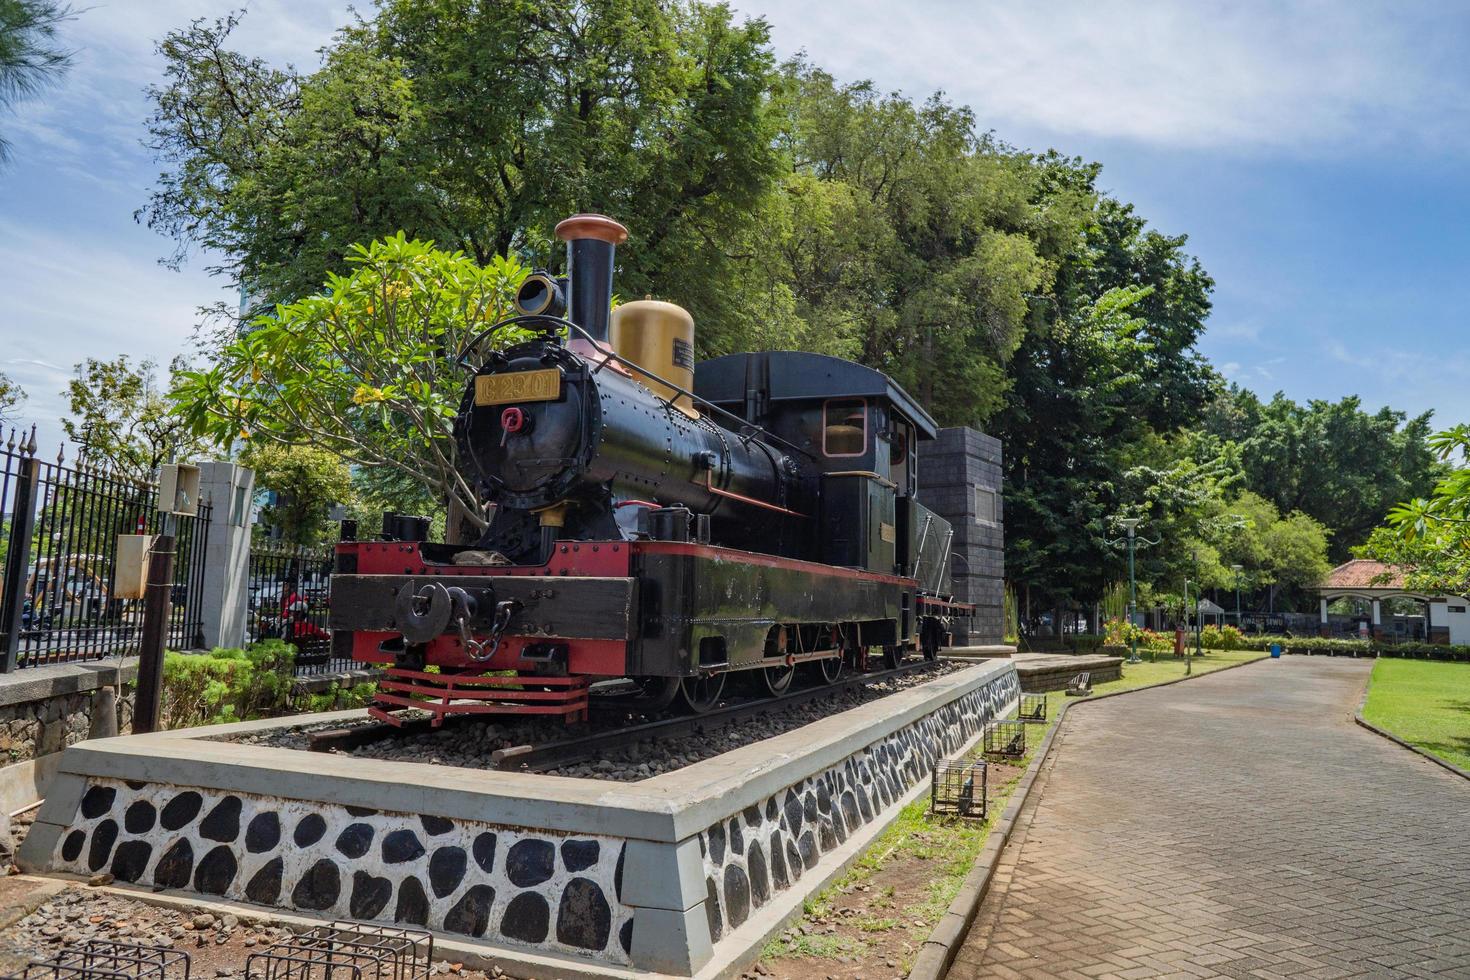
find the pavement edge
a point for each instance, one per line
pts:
(1365, 723)
(938, 953)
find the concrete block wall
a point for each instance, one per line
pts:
(43, 710)
(951, 468)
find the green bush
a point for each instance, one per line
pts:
(1220, 638)
(227, 684)
(337, 698)
(1361, 648)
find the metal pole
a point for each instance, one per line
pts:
(18, 562)
(157, 604)
(1188, 665)
(1132, 605)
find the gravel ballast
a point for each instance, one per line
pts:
(470, 744)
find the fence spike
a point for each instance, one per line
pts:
(10, 446)
(60, 453)
(31, 447)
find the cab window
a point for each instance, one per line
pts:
(845, 427)
(900, 446)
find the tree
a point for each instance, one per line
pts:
(1105, 377)
(306, 483)
(477, 125)
(365, 369)
(31, 56)
(904, 239)
(1428, 537)
(11, 396)
(121, 417)
(1332, 461)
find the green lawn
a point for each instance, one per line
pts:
(1166, 668)
(1425, 703)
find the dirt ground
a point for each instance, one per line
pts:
(42, 915)
(870, 925)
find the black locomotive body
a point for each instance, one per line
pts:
(653, 520)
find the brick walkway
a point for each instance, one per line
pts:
(1237, 825)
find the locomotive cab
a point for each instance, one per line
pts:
(862, 431)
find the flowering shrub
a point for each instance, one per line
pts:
(1118, 633)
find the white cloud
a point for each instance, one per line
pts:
(80, 298)
(1303, 78)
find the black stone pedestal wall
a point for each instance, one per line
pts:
(952, 468)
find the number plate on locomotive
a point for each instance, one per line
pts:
(519, 386)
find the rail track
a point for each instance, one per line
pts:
(557, 752)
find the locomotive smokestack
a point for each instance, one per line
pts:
(591, 241)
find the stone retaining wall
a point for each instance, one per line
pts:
(513, 861)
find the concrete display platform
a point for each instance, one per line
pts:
(686, 873)
(1054, 671)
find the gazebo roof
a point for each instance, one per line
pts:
(1364, 574)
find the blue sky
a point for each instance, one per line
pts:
(1314, 153)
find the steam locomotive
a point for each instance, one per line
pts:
(654, 521)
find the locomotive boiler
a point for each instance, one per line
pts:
(652, 521)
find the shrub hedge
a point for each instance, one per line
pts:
(231, 684)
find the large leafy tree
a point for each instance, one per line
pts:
(475, 124)
(1428, 537)
(364, 369)
(1332, 461)
(1105, 376)
(31, 53)
(120, 416)
(305, 482)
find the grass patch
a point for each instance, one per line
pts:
(1424, 702)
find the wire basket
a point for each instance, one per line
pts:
(346, 951)
(1006, 738)
(103, 960)
(1032, 707)
(958, 787)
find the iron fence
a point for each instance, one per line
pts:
(288, 590)
(59, 527)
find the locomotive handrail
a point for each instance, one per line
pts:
(611, 355)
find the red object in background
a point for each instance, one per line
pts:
(1178, 641)
(512, 419)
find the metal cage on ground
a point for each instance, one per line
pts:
(346, 951)
(105, 960)
(1032, 707)
(958, 787)
(1007, 738)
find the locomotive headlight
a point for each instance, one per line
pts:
(540, 295)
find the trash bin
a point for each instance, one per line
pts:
(1276, 651)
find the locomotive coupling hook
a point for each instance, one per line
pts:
(475, 649)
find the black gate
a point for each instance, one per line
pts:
(58, 536)
(288, 601)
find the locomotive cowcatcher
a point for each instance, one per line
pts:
(652, 521)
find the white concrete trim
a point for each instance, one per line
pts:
(670, 807)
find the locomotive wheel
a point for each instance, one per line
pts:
(778, 679)
(831, 668)
(892, 657)
(929, 641)
(701, 694)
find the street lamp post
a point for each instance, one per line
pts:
(1130, 524)
(1238, 624)
(1189, 664)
